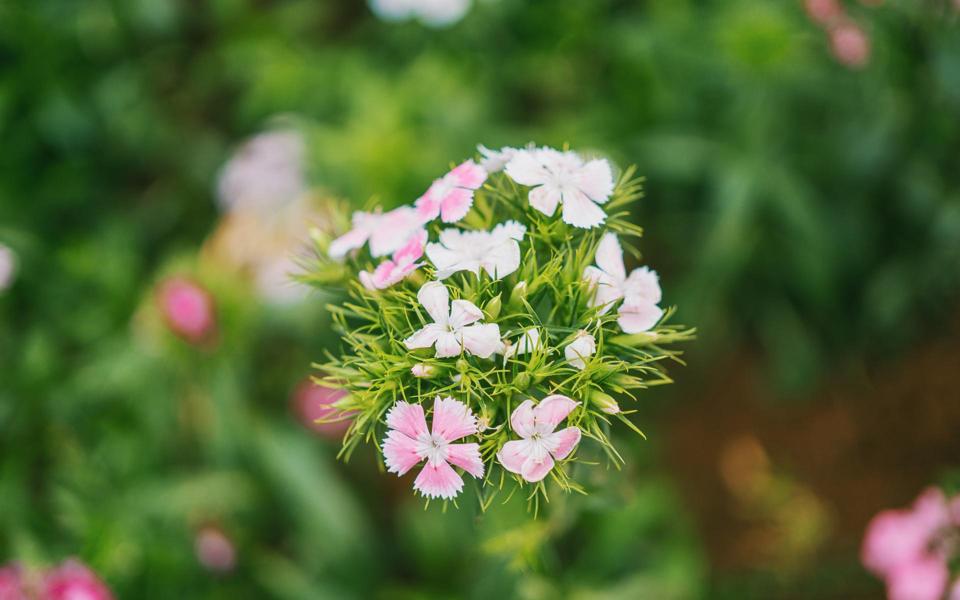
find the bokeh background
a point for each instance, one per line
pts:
(802, 208)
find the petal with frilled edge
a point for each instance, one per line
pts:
(639, 318)
(482, 339)
(610, 256)
(438, 480)
(400, 452)
(596, 180)
(562, 443)
(545, 198)
(467, 457)
(456, 205)
(452, 419)
(580, 211)
(408, 419)
(551, 411)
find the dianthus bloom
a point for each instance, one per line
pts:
(451, 196)
(214, 550)
(454, 326)
(188, 309)
(72, 580)
(497, 251)
(312, 404)
(265, 173)
(386, 232)
(393, 271)
(640, 291)
(409, 443)
(533, 456)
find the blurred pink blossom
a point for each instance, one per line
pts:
(394, 270)
(823, 11)
(312, 403)
(72, 580)
(850, 45)
(264, 173)
(11, 583)
(214, 550)
(188, 309)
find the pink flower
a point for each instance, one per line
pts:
(455, 327)
(313, 403)
(72, 580)
(215, 550)
(11, 583)
(564, 178)
(403, 263)
(451, 196)
(921, 579)
(386, 232)
(850, 45)
(408, 443)
(188, 309)
(640, 291)
(823, 11)
(266, 172)
(533, 456)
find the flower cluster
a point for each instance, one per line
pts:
(911, 549)
(497, 307)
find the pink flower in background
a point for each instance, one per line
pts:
(850, 45)
(188, 309)
(214, 550)
(451, 196)
(455, 327)
(408, 443)
(387, 232)
(265, 172)
(72, 580)
(533, 456)
(564, 178)
(640, 291)
(905, 547)
(313, 403)
(11, 583)
(823, 11)
(395, 270)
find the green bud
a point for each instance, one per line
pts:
(492, 309)
(517, 295)
(604, 402)
(522, 381)
(463, 366)
(424, 371)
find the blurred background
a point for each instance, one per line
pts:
(163, 160)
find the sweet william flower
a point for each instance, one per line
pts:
(640, 290)
(454, 326)
(495, 160)
(11, 583)
(72, 580)
(451, 196)
(921, 579)
(188, 309)
(497, 251)
(393, 271)
(564, 178)
(214, 550)
(897, 537)
(313, 405)
(580, 349)
(387, 232)
(409, 442)
(534, 455)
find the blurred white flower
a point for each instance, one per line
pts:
(497, 251)
(495, 160)
(265, 172)
(8, 267)
(435, 13)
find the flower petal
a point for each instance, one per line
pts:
(448, 344)
(596, 180)
(639, 318)
(545, 199)
(606, 291)
(424, 338)
(412, 250)
(551, 411)
(408, 419)
(536, 467)
(522, 420)
(610, 257)
(400, 452)
(456, 205)
(445, 260)
(463, 313)
(580, 350)
(349, 241)
(392, 230)
(452, 419)
(562, 443)
(438, 480)
(642, 286)
(434, 297)
(469, 174)
(526, 169)
(482, 339)
(467, 457)
(580, 211)
(514, 454)
(503, 259)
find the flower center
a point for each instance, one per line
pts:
(433, 448)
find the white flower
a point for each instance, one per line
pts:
(454, 326)
(497, 252)
(495, 160)
(529, 342)
(8, 267)
(581, 348)
(435, 13)
(563, 177)
(640, 291)
(266, 172)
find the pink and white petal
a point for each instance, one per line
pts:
(452, 419)
(545, 198)
(366, 278)
(551, 411)
(606, 289)
(408, 419)
(482, 339)
(580, 211)
(435, 298)
(443, 259)
(424, 338)
(469, 175)
(610, 257)
(642, 286)
(448, 344)
(392, 230)
(526, 169)
(514, 454)
(639, 318)
(349, 241)
(400, 452)
(523, 419)
(428, 205)
(456, 205)
(562, 443)
(413, 249)
(596, 180)
(438, 480)
(463, 313)
(467, 457)
(537, 467)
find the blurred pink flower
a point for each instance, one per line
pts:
(532, 457)
(409, 443)
(265, 172)
(72, 580)
(188, 309)
(921, 579)
(214, 549)
(11, 583)
(395, 270)
(451, 196)
(313, 402)
(823, 11)
(850, 45)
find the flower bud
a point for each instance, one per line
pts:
(313, 405)
(462, 366)
(72, 579)
(518, 294)
(214, 550)
(580, 349)
(492, 308)
(604, 402)
(188, 310)
(424, 371)
(522, 381)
